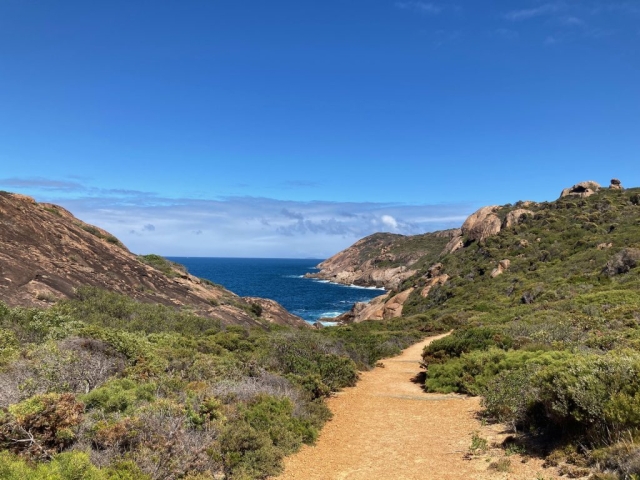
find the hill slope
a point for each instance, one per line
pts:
(545, 302)
(47, 253)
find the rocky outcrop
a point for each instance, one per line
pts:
(361, 311)
(502, 267)
(616, 184)
(432, 282)
(482, 224)
(383, 259)
(46, 253)
(456, 243)
(380, 308)
(582, 189)
(514, 217)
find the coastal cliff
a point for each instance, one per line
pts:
(47, 254)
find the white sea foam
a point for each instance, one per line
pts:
(367, 288)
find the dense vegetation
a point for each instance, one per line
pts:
(104, 387)
(553, 344)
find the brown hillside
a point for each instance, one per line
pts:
(45, 253)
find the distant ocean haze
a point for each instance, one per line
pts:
(281, 280)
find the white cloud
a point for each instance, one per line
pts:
(389, 221)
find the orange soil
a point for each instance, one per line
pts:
(386, 427)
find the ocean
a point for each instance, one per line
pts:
(281, 280)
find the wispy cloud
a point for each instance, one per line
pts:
(526, 14)
(42, 183)
(421, 7)
(238, 226)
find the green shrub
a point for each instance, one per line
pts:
(120, 395)
(472, 372)
(112, 310)
(248, 453)
(169, 268)
(66, 466)
(465, 340)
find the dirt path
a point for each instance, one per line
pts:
(388, 428)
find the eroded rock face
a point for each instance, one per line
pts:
(482, 224)
(361, 311)
(515, 217)
(432, 282)
(456, 243)
(582, 189)
(45, 253)
(380, 308)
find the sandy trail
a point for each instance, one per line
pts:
(386, 427)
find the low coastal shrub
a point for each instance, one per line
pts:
(111, 388)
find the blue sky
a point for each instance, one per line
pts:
(291, 129)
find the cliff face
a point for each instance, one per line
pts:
(384, 259)
(45, 253)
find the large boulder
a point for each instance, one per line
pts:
(515, 217)
(582, 189)
(616, 184)
(482, 224)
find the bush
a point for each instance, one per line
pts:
(120, 395)
(41, 424)
(248, 453)
(169, 268)
(622, 262)
(595, 396)
(464, 341)
(472, 372)
(112, 310)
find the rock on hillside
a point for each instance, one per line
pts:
(582, 189)
(45, 253)
(482, 224)
(384, 259)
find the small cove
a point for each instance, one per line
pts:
(281, 280)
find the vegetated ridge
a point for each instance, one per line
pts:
(545, 302)
(46, 253)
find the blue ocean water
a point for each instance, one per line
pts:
(281, 280)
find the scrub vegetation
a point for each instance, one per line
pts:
(105, 387)
(552, 344)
